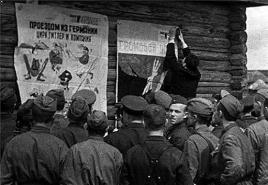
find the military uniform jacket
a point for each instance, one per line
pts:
(197, 153)
(236, 157)
(92, 162)
(177, 135)
(33, 157)
(127, 137)
(173, 169)
(258, 135)
(72, 134)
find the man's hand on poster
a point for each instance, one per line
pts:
(150, 79)
(179, 38)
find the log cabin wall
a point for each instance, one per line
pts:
(214, 32)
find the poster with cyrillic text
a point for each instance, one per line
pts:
(61, 48)
(141, 48)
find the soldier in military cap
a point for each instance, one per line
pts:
(34, 157)
(88, 95)
(199, 145)
(132, 131)
(77, 115)
(89, 161)
(258, 135)
(236, 161)
(59, 119)
(177, 132)
(155, 161)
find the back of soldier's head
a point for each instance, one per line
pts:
(154, 117)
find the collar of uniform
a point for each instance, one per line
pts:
(233, 124)
(155, 138)
(179, 125)
(135, 125)
(99, 138)
(202, 128)
(40, 129)
(76, 124)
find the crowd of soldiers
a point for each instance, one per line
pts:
(162, 139)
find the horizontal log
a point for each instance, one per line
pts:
(237, 49)
(206, 55)
(211, 90)
(215, 76)
(6, 49)
(238, 59)
(213, 84)
(238, 37)
(238, 72)
(7, 61)
(235, 16)
(8, 24)
(207, 41)
(8, 38)
(214, 65)
(7, 74)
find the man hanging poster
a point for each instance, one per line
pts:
(61, 48)
(141, 48)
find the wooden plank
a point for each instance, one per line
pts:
(7, 74)
(211, 90)
(207, 42)
(237, 49)
(211, 56)
(213, 84)
(6, 61)
(214, 65)
(238, 37)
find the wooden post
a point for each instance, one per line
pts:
(238, 49)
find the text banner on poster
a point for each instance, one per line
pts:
(61, 48)
(141, 48)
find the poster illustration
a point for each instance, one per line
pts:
(141, 48)
(61, 48)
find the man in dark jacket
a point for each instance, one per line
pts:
(258, 135)
(75, 131)
(177, 133)
(133, 131)
(236, 161)
(35, 157)
(93, 161)
(156, 160)
(199, 146)
(182, 73)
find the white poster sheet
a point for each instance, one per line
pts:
(61, 48)
(141, 48)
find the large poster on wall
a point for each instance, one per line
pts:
(141, 48)
(61, 48)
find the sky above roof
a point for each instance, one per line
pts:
(257, 30)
